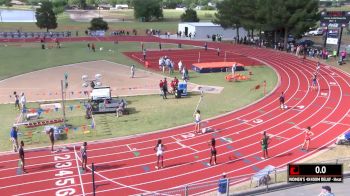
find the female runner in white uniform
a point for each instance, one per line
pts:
(159, 152)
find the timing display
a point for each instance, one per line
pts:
(341, 18)
(315, 173)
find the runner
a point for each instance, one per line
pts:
(159, 152)
(21, 155)
(234, 66)
(52, 139)
(282, 98)
(314, 82)
(318, 67)
(264, 145)
(308, 135)
(218, 51)
(212, 150)
(83, 156)
(197, 120)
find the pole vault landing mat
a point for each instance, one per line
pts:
(210, 67)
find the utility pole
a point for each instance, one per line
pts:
(63, 104)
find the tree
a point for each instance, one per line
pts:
(292, 16)
(229, 14)
(171, 4)
(190, 3)
(189, 15)
(7, 3)
(59, 5)
(45, 16)
(148, 9)
(98, 24)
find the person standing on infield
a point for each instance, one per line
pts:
(16, 100)
(132, 70)
(159, 148)
(14, 138)
(212, 151)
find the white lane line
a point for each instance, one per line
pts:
(335, 123)
(277, 136)
(129, 147)
(183, 145)
(81, 181)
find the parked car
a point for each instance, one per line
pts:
(305, 42)
(318, 31)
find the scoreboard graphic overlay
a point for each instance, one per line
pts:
(315, 173)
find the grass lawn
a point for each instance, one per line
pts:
(23, 58)
(148, 113)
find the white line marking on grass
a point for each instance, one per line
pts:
(81, 181)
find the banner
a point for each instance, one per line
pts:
(333, 41)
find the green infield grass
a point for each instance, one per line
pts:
(147, 113)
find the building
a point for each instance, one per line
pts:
(122, 6)
(204, 29)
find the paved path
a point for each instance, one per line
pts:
(314, 189)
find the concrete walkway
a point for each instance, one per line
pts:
(339, 189)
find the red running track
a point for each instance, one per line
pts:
(125, 166)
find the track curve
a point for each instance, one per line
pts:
(122, 171)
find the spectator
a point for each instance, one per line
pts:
(16, 100)
(165, 88)
(334, 54)
(343, 55)
(23, 101)
(180, 66)
(222, 185)
(326, 191)
(132, 70)
(121, 108)
(93, 47)
(176, 81)
(161, 87)
(14, 139)
(234, 66)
